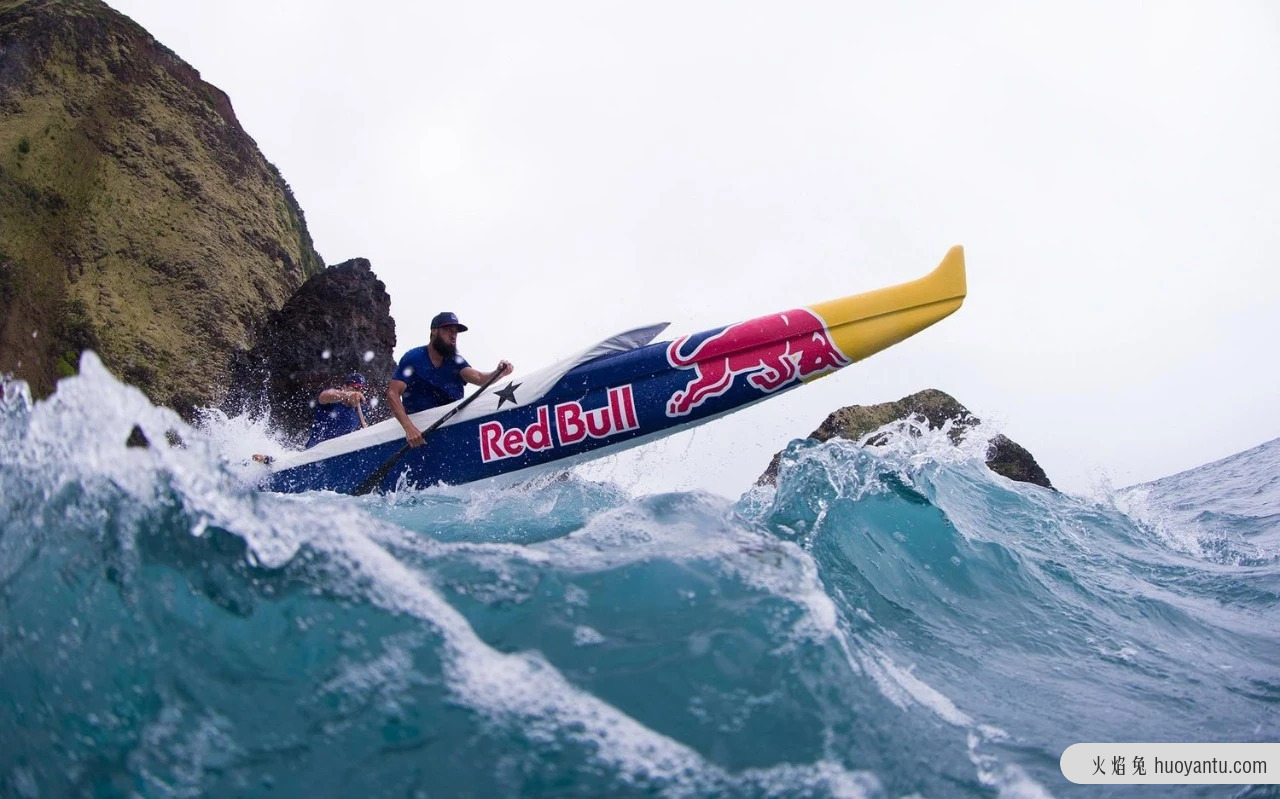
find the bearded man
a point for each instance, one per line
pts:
(434, 375)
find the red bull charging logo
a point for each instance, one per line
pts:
(776, 350)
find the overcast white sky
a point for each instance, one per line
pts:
(557, 171)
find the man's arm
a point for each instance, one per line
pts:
(411, 433)
(478, 378)
(348, 397)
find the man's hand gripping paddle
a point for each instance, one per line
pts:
(373, 480)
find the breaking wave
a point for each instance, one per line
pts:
(884, 622)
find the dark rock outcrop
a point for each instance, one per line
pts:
(1010, 459)
(1004, 456)
(338, 322)
(137, 218)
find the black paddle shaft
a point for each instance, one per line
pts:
(373, 480)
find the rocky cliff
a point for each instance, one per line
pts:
(137, 218)
(1004, 456)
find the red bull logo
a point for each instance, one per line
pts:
(565, 424)
(776, 350)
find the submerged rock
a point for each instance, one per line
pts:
(1004, 456)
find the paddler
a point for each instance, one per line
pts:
(339, 411)
(434, 375)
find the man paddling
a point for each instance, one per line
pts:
(336, 412)
(339, 411)
(434, 375)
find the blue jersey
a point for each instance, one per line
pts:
(332, 420)
(428, 385)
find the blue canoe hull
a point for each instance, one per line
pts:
(606, 404)
(626, 391)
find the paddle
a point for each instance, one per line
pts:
(371, 482)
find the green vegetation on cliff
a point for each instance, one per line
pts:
(139, 219)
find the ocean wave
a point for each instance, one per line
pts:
(885, 621)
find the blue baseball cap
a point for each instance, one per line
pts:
(447, 318)
(355, 378)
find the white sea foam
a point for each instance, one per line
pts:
(587, 636)
(899, 685)
(1009, 780)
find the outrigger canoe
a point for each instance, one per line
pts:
(624, 391)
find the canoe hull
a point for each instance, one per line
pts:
(614, 401)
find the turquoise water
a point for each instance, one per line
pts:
(886, 623)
